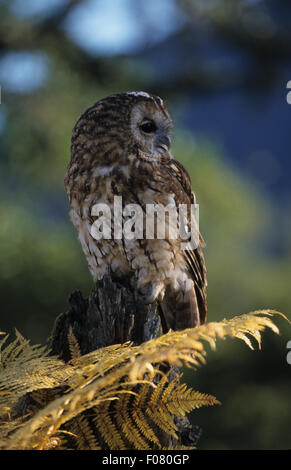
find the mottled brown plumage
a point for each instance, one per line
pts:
(120, 147)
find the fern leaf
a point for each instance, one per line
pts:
(110, 375)
(160, 414)
(107, 428)
(138, 414)
(126, 424)
(163, 419)
(185, 400)
(84, 436)
(74, 347)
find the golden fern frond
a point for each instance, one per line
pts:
(182, 400)
(74, 347)
(20, 350)
(114, 375)
(138, 414)
(129, 421)
(24, 368)
(108, 428)
(187, 345)
(83, 434)
(126, 424)
(27, 374)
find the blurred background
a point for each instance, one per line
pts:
(223, 67)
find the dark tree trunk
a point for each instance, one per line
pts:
(113, 314)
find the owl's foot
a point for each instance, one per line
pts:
(150, 292)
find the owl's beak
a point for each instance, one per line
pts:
(164, 142)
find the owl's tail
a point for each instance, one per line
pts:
(183, 309)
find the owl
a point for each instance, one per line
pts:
(120, 151)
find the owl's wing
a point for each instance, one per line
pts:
(193, 256)
(196, 263)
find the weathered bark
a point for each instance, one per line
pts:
(113, 314)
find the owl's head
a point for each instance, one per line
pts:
(150, 124)
(129, 123)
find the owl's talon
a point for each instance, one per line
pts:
(150, 293)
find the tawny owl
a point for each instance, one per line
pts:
(121, 152)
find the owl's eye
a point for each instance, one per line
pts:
(149, 127)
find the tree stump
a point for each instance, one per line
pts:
(114, 313)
